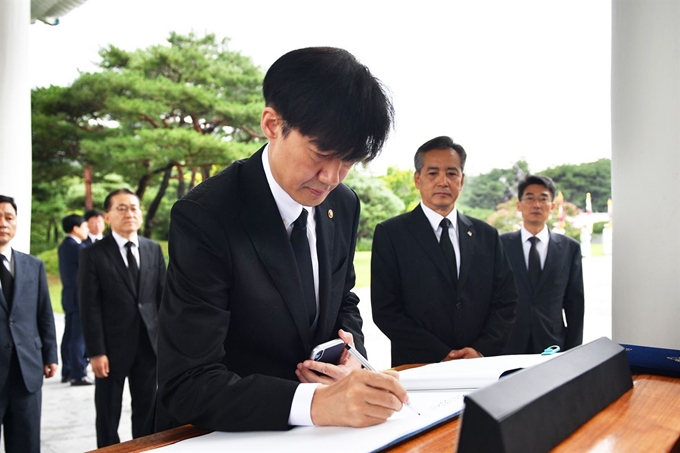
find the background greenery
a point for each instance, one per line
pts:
(162, 119)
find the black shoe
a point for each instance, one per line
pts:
(82, 381)
(65, 379)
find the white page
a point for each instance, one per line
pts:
(466, 373)
(433, 407)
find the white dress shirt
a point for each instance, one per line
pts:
(121, 241)
(435, 219)
(8, 263)
(301, 408)
(542, 244)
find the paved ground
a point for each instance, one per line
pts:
(68, 412)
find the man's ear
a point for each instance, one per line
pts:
(271, 123)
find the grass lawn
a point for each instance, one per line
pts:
(362, 268)
(55, 292)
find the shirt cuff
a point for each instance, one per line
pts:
(301, 409)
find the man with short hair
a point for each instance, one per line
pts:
(548, 272)
(28, 339)
(120, 282)
(441, 285)
(261, 264)
(73, 360)
(95, 225)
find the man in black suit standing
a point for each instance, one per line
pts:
(73, 360)
(120, 282)
(28, 340)
(95, 225)
(548, 272)
(441, 285)
(261, 264)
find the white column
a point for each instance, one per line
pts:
(15, 113)
(646, 172)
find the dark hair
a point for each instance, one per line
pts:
(441, 142)
(71, 221)
(327, 95)
(536, 179)
(92, 213)
(113, 193)
(10, 200)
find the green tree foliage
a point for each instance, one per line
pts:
(174, 112)
(400, 182)
(574, 181)
(378, 203)
(490, 189)
(507, 218)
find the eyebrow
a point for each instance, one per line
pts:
(435, 167)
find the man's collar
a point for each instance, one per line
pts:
(121, 241)
(8, 254)
(435, 218)
(542, 235)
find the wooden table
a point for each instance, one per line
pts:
(646, 418)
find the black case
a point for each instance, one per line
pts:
(534, 409)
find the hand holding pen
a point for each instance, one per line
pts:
(357, 355)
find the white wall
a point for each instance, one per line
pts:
(645, 172)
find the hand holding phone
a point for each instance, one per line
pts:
(328, 352)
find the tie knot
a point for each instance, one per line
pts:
(445, 223)
(301, 222)
(533, 240)
(129, 245)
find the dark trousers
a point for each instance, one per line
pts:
(19, 412)
(74, 363)
(108, 395)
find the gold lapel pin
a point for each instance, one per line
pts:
(469, 233)
(330, 213)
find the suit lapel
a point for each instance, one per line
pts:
(467, 238)
(517, 260)
(145, 263)
(263, 224)
(21, 276)
(421, 229)
(325, 232)
(111, 250)
(552, 258)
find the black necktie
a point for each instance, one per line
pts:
(447, 248)
(7, 282)
(298, 239)
(534, 268)
(132, 265)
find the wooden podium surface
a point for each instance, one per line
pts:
(646, 418)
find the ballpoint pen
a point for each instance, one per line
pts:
(357, 355)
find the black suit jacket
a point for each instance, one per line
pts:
(560, 288)
(30, 325)
(110, 310)
(68, 253)
(415, 302)
(233, 325)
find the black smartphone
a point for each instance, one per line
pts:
(329, 352)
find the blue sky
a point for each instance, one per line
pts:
(527, 79)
